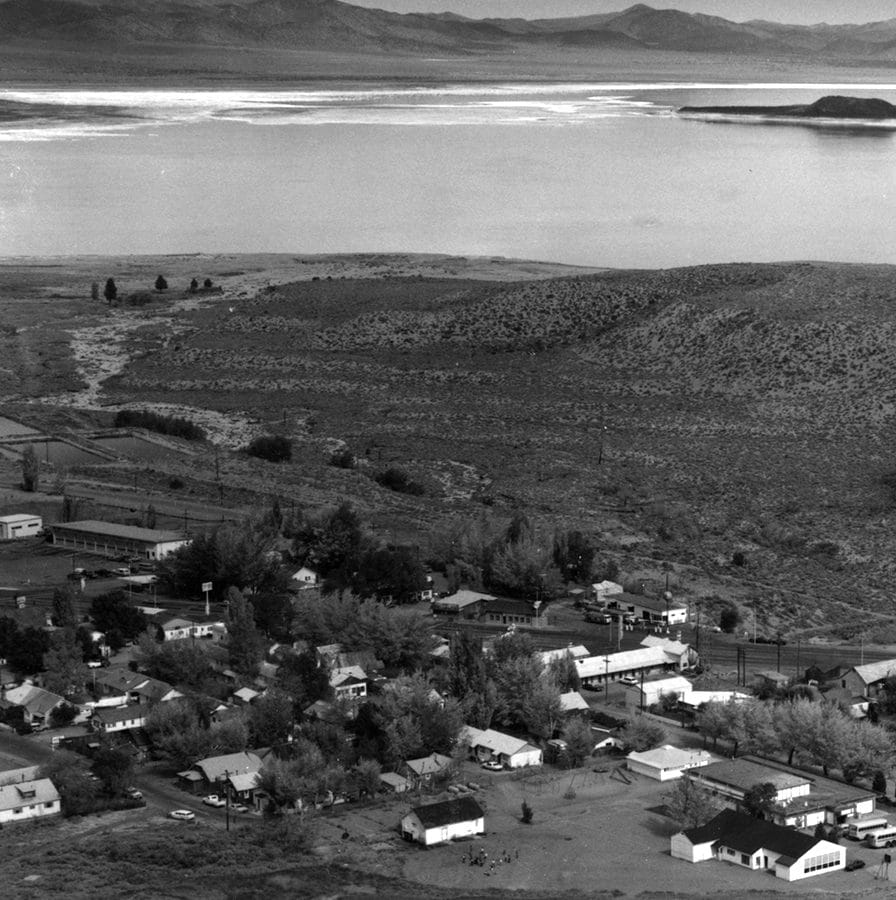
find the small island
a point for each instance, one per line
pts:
(849, 108)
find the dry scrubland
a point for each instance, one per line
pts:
(742, 407)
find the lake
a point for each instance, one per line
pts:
(596, 174)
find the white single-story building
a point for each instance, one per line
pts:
(604, 589)
(652, 689)
(421, 771)
(577, 651)
(305, 577)
(349, 682)
(756, 844)
(29, 800)
(463, 603)
(121, 719)
(693, 700)
(654, 610)
(111, 539)
(605, 739)
(667, 763)
(437, 823)
(511, 752)
(630, 663)
(19, 525)
(573, 701)
(394, 783)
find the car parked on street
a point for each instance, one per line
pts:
(133, 794)
(214, 800)
(493, 766)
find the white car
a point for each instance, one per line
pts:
(214, 800)
(493, 766)
(185, 815)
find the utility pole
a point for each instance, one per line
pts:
(607, 678)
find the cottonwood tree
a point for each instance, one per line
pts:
(690, 805)
(271, 718)
(69, 775)
(65, 672)
(367, 776)
(64, 615)
(30, 469)
(579, 740)
(759, 800)
(245, 645)
(110, 291)
(642, 734)
(114, 768)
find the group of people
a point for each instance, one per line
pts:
(481, 859)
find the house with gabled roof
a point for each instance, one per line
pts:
(486, 745)
(422, 771)
(29, 800)
(756, 844)
(438, 823)
(574, 702)
(349, 683)
(121, 719)
(239, 770)
(668, 762)
(134, 687)
(35, 702)
(868, 680)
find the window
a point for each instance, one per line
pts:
(729, 851)
(17, 811)
(745, 860)
(48, 805)
(824, 861)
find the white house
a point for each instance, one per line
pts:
(121, 719)
(653, 688)
(573, 701)
(305, 577)
(437, 823)
(868, 680)
(653, 610)
(756, 844)
(511, 752)
(110, 539)
(349, 682)
(667, 763)
(29, 800)
(604, 589)
(19, 525)
(693, 700)
(36, 703)
(577, 651)
(629, 663)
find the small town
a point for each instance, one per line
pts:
(290, 670)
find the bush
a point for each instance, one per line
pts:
(343, 459)
(526, 814)
(398, 480)
(65, 714)
(175, 483)
(729, 618)
(141, 418)
(161, 283)
(272, 447)
(738, 558)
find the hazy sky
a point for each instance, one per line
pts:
(802, 11)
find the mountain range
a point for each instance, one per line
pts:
(331, 25)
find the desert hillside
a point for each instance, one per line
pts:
(679, 416)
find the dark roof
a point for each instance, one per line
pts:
(511, 607)
(114, 530)
(448, 812)
(747, 835)
(654, 604)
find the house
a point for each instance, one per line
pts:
(667, 763)
(578, 651)
(868, 680)
(244, 696)
(691, 701)
(437, 823)
(178, 629)
(421, 771)
(349, 683)
(109, 720)
(305, 577)
(514, 612)
(394, 783)
(511, 752)
(19, 525)
(802, 799)
(322, 711)
(574, 702)
(133, 687)
(238, 770)
(685, 652)
(464, 603)
(820, 677)
(756, 844)
(605, 589)
(650, 690)
(652, 610)
(111, 539)
(770, 679)
(35, 702)
(29, 800)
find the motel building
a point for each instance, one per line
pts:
(111, 539)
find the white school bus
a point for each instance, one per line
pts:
(859, 828)
(881, 837)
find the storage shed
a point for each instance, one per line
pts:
(19, 525)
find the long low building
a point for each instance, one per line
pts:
(672, 657)
(511, 752)
(111, 539)
(29, 800)
(667, 763)
(19, 525)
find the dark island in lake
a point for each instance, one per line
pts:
(825, 108)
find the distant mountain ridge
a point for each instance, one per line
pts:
(832, 107)
(335, 25)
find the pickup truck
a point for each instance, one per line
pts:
(214, 800)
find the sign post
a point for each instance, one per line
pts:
(206, 587)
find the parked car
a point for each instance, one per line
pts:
(240, 807)
(493, 766)
(133, 794)
(854, 864)
(598, 618)
(628, 680)
(214, 800)
(124, 571)
(184, 815)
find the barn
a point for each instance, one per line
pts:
(437, 823)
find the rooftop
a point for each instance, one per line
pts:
(18, 517)
(627, 660)
(26, 793)
(669, 757)
(572, 701)
(448, 812)
(129, 532)
(876, 671)
(747, 835)
(121, 713)
(494, 741)
(216, 767)
(462, 599)
(744, 773)
(654, 604)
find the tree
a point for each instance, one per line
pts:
(300, 677)
(879, 784)
(95, 291)
(690, 805)
(564, 673)
(759, 800)
(116, 612)
(245, 645)
(207, 283)
(287, 781)
(65, 672)
(272, 447)
(712, 721)
(573, 555)
(63, 715)
(194, 286)
(270, 719)
(30, 469)
(161, 283)
(150, 516)
(68, 773)
(389, 572)
(331, 543)
(526, 813)
(579, 740)
(729, 619)
(642, 734)
(114, 768)
(183, 663)
(110, 292)
(367, 776)
(542, 710)
(63, 614)
(26, 655)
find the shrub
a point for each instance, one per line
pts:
(194, 286)
(526, 814)
(207, 283)
(398, 480)
(729, 619)
(142, 418)
(272, 447)
(110, 291)
(879, 785)
(738, 558)
(65, 713)
(161, 283)
(175, 483)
